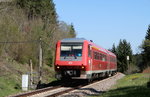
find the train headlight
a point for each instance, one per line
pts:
(82, 67)
(57, 67)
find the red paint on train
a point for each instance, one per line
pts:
(78, 58)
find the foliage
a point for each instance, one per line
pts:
(72, 31)
(114, 49)
(122, 51)
(146, 49)
(67, 30)
(36, 19)
(44, 9)
(139, 61)
(8, 86)
(130, 86)
(10, 76)
(22, 23)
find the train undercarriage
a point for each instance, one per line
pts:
(80, 74)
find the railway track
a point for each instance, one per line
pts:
(53, 91)
(37, 91)
(58, 90)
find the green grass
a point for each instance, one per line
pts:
(10, 78)
(11, 74)
(8, 86)
(134, 85)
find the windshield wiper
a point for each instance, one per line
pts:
(75, 56)
(65, 57)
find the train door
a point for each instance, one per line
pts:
(109, 65)
(90, 61)
(108, 62)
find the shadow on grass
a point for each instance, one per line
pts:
(64, 83)
(53, 83)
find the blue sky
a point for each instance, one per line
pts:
(107, 21)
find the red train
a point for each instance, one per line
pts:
(77, 58)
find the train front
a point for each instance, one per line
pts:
(69, 61)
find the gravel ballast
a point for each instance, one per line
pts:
(95, 88)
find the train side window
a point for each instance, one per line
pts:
(89, 50)
(115, 60)
(94, 55)
(97, 55)
(100, 56)
(103, 57)
(110, 59)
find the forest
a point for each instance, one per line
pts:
(136, 62)
(27, 24)
(24, 22)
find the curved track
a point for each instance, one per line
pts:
(57, 90)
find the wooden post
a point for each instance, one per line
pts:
(40, 60)
(31, 74)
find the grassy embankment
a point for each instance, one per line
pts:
(11, 73)
(134, 85)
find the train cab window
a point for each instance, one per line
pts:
(74, 50)
(77, 50)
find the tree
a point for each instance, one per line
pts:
(146, 49)
(66, 31)
(37, 18)
(72, 31)
(122, 51)
(139, 61)
(114, 49)
(44, 9)
(42, 22)
(148, 33)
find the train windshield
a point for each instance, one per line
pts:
(71, 50)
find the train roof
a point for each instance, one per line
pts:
(110, 53)
(73, 40)
(82, 40)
